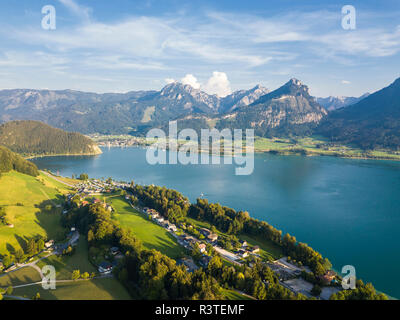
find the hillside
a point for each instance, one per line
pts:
(12, 161)
(372, 123)
(36, 138)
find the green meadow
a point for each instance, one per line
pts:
(24, 198)
(150, 234)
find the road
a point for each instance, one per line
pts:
(55, 178)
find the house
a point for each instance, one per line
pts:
(205, 232)
(172, 227)
(255, 249)
(73, 229)
(243, 253)
(49, 244)
(84, 203)
(105, 267)
(96, 201)
(202, 247)
(114, 251)
(243, 243)
(328, 277)
(160, 220)
(188, 263)
(212, 237)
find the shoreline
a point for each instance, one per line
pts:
(63, 155)
(275, 152)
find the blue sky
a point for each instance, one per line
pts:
(218, 46)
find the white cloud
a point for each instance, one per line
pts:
(191, 80)
(76, 9)
(218, 84)
(169, 80)
(345, 82)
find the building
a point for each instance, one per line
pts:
(188, 263)
(205, 232)
(202, 247)
(212, 237)
(49, 244)
(243, 243)
(328, 277)
(160, 220)
(255, 249)
(243, 253)
(172, 227)
(114, 251)
(105, 267)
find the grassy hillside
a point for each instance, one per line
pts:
(151, 235)
(24, 198)
(37, 138)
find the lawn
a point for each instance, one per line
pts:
(21, 276)
(268, 250)
(21, 194)
(234, 295)
(152, 235)
(96, 289)
(65, 265)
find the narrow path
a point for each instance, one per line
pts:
(55, 178)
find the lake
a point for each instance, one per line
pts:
(349, 210)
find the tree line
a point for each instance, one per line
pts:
(12, 161)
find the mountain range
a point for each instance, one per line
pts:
(373, 122)
(332, 103)
(288, 110)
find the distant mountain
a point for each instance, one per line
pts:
(36, 138)
(117, 113)
(12, 161)
(241, 98)
(371, 123)
(333, 103)
(287, 110)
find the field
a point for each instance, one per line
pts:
(152, 235)
(20, 277)
(314, 146)
(96, 289)
(23, 197)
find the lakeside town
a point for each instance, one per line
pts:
(289, 273)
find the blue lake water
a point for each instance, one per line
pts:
(349, 210)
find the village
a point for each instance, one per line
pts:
(288, 273)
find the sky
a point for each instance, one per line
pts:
(216, 46)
